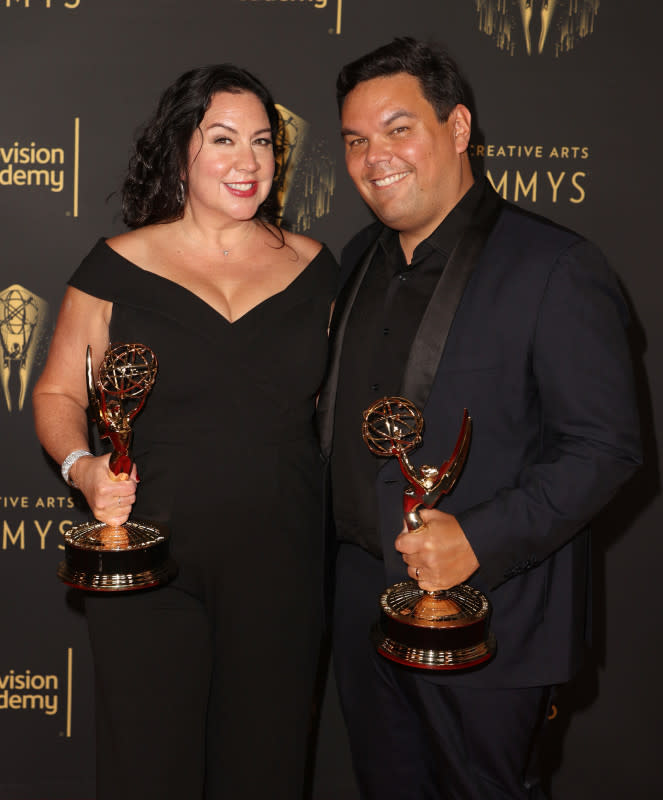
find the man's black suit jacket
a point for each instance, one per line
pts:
(537, 353)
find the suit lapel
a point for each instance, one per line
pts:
(432, 334)
(431, 338)
(327, 398)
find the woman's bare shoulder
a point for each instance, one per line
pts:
(305, 247)
(138, 245)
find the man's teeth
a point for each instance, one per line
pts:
(391, 179)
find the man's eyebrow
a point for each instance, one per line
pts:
(401, 112)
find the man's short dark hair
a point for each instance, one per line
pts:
(437, 73)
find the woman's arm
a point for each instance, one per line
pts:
(60, 403)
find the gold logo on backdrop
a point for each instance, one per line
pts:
(536, 26)
(556, 174)
(309, 176)
(22, 321)
(32, 165)
(70, 5)
(27, 690)
(25, 527)
(315, 4)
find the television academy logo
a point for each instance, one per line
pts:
(33, 166)
(28, 691)
(31, 691)
(536, 26)
(314, 3)
(23, 316)
(318, 5)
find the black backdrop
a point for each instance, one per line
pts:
(569, 130)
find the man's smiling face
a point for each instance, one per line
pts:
(407, 165)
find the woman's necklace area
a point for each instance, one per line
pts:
(228, 250)
(232, 251)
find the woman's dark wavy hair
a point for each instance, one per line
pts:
(438, 75)
(151, 192)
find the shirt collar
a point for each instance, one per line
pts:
(445, 237)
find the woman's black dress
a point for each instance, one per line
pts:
(204, 687)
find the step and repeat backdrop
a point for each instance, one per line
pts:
(567, 122)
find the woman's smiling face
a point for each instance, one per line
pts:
(231, 157)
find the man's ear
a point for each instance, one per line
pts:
(462, 125)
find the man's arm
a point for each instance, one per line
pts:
(589, 437)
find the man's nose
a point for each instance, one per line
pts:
(377, 151)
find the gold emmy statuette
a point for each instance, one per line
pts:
(135, 555)
(441, 630)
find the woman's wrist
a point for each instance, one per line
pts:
(69, 462)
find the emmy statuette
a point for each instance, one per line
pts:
(440, 630)
(135, 555)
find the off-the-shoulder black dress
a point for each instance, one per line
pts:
(204, 687)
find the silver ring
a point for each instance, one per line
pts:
(416, 572)
(119, 501)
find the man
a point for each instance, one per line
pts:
(456, 299)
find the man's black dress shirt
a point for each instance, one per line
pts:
(381, 329)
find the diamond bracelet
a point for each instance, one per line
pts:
(69, 462)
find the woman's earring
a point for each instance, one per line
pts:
(180, 194)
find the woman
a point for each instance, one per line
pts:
(204, 686)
